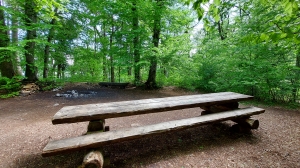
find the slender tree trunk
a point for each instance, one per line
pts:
(47, 47)
(112, 68)
(104, 62)
(59, 68)
(151, 81)
(119, 74)
(30, 19)
(220, 30)
(297, 78)
(95, 41)
(14, 36)
(6, 65)
(136, 43)
(130, 61)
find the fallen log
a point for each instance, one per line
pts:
(93, 159)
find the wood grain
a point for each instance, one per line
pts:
(105, 138)
(80, 113)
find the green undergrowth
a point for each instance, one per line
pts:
(10, 87)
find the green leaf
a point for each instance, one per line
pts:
(217, 2)
(217, 18)
(295, 5)
(278, 17)
(289, 8)
(200, 13)
(275, 36)
(264, 37)
(297, 40)
(283, 35)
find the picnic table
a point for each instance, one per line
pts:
(217, 107)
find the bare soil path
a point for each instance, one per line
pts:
(25, 128)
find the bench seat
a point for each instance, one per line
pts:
(89, 112)
(105, 138)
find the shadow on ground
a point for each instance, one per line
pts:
(147, 151)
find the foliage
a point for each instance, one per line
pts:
(255, 58)
(49, 84)
(10, 87)
(250, 47)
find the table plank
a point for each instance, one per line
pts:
(88, 112)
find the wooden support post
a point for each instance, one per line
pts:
(220, 107)
(205, 112)
(248, 122)
(96, 125)
(245, 124)
(95, 157)
(106, 128)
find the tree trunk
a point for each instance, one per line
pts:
(104, 55)
(47, 47)
(151, 81)
(129, 71)
(14, 36)
(136, 43)
(59, 69)
(297, 78)
(112, 68)
(30, 20)
(220, 30)
(6, 65)
(166, 73)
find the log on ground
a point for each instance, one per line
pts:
(94, 159)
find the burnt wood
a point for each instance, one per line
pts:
(80, 113)
(105, 138)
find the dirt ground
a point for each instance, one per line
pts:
(25, 128)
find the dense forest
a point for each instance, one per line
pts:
(246, 46)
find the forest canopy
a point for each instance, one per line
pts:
(245, 46)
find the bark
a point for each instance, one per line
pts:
(47, 47)
(30, 20)
(136, 42)
(151, 81)
(6, 65)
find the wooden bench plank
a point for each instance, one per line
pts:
(71, 114)
(105, 138)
